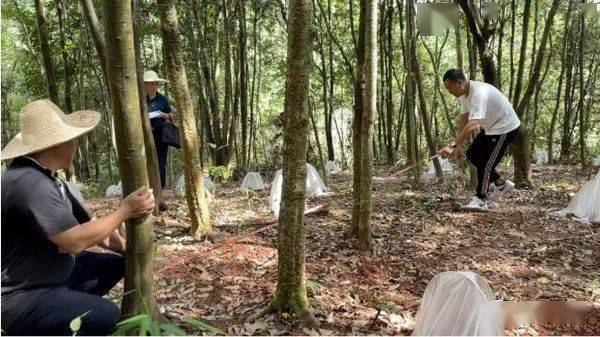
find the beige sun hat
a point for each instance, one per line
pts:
(44, 125)
(151, 76)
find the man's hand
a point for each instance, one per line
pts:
(446, 151)
(139, 203)
(166, 116)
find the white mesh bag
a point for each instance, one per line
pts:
(276, 189)
(444, 163)
(541, 157)
(459, 304)
(253, 181)
(586, 204)
(114, 190)
(180, 185)
(314, 185)
(332, 167)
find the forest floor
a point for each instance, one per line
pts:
(518, 247)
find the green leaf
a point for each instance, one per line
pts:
(133, 320)
(75, 324)
(144, 327)
(171, 330)
(202, 326)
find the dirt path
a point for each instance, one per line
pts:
(522, 252)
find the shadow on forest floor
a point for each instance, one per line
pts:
(523, 254)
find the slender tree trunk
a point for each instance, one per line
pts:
(194, 185)
(389, 93)
(357, 124)
(243, 81)
(523, 55)
(123, 86)
(291, 282)
(150, 147)
(560, 85)
(520, 147)
(580, 106)
(368, 77)
(513, 15)
(410, 93)
(40, 12)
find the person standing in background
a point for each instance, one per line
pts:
(160, 112)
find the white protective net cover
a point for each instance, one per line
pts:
(253, 181)
(444, 163)
(586, 204)
(459, 304)
(541, 157)
(314, 187)
(180, 185)
(332, 167)
(114, 190)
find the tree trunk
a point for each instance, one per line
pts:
(243, 81)
(150, 147)
(123, 86)
(520, 147)
(525, 31)
(40, 12)
(560, 85)
(368, 77)
(291, 282)
(410, 93)
(580, 106)
(194, 181)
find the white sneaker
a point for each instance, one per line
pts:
(499, 191)
(477, 204)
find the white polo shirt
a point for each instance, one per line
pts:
(493, 110)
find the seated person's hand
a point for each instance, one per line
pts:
(166, 116)
(458, 153)
(446, 151)
(139, 203)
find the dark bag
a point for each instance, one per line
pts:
(170, 135)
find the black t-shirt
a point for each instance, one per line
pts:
(35, 206)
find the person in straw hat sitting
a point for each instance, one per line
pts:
(160, 111)
(48, 279)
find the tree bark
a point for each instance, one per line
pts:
(40, 12)
(525, 33)
(121, 69)
(194, 181)
(291, 282)
(243, 81)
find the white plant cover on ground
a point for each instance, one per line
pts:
(586, 204)
(180, 185)
(597, 160)
(114, 190)
(459, 304)
(332, 167)
(314, 184)
(314, 187)
(541, 157)
(444, 163)
(253, 181)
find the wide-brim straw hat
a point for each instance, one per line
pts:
(152, 76)
(44, 125)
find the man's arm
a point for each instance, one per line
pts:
(470, 127)
(77, 238)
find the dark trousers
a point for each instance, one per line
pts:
(53, 310)
(162, 150)
(485, 153)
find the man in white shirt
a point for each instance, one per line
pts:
(482, 106)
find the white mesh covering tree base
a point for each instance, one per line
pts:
(586, 204)
(541, 157)
(459, 304)
(253, 181)
(314, 187)
(114, 190)
(180, 185)
(332, 167)
(444, 163)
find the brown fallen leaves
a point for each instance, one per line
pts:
(523, 253)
